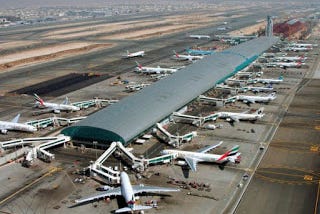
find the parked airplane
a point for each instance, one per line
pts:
(192, 158)
(154, 70)
(127, 191)
(135, 54)
(199, 52)
(15, 125)
(199, 36)
(285, 65)
(254, 99)
(249, 74)
(186, 57)
(56, 108)
(236, 117)
(290, 58)
(257, 89)
(301, 45)
(297, 49)
(268, 81)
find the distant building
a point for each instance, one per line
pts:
(289, 28)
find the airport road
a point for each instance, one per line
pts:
(288, 178)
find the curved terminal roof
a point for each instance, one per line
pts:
(134, 114)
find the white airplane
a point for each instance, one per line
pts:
(257, 99)
(297, 49)
(186, 57)
(127, 191)
(135, 54)
(290, 58)
(301, 45)
(249, 74)
(236, 117)
(15, 125)
(256, 89)
(285, 65)
(154, 70)
(56, 108)
(192, 158)
(268, 81)
(199, 36)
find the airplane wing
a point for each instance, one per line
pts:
(192, 163)
(66, 101)
(234, 118)
(143, 188)
(109, 193)
(208, 148)
(250, 100)
(16, 119)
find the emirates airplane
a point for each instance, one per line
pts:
(15, 125)
(127, 191)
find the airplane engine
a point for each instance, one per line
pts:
(56, 111)
(4, 131)
(235, 160)
(181, 163)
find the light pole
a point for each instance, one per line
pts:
(94, 143)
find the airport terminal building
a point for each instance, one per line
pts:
(126, 120)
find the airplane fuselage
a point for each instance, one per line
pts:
(240, 116)
(4, 126)
(155, 70)
(126, 189)
(246, 98)
(135, 54)
(59, 107)
(201, 157)
(268, 81)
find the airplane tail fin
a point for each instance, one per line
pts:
(233, 151)
(16, 118)
(273, 94)
(128, 52)
(66, 101)
(135, 208)
(139, 65)
(37, 98)
(175, 53)
(259, 111)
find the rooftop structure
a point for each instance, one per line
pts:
(133, 115)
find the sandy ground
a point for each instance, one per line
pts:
(142, 34)
(15, 44)
(248, 30)
(42, 51)
(180, 20)
(48, 53)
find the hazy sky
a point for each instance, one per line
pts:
(102, 3)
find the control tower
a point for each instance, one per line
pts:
(269, 27)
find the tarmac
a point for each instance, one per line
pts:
(282, 174)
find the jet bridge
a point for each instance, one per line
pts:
(40, 150)
(140, 164)
(111, 175)
(94, 102)
(43, 123)
(195, 120)
(198, 121)
(217, 101)
(175, 140)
